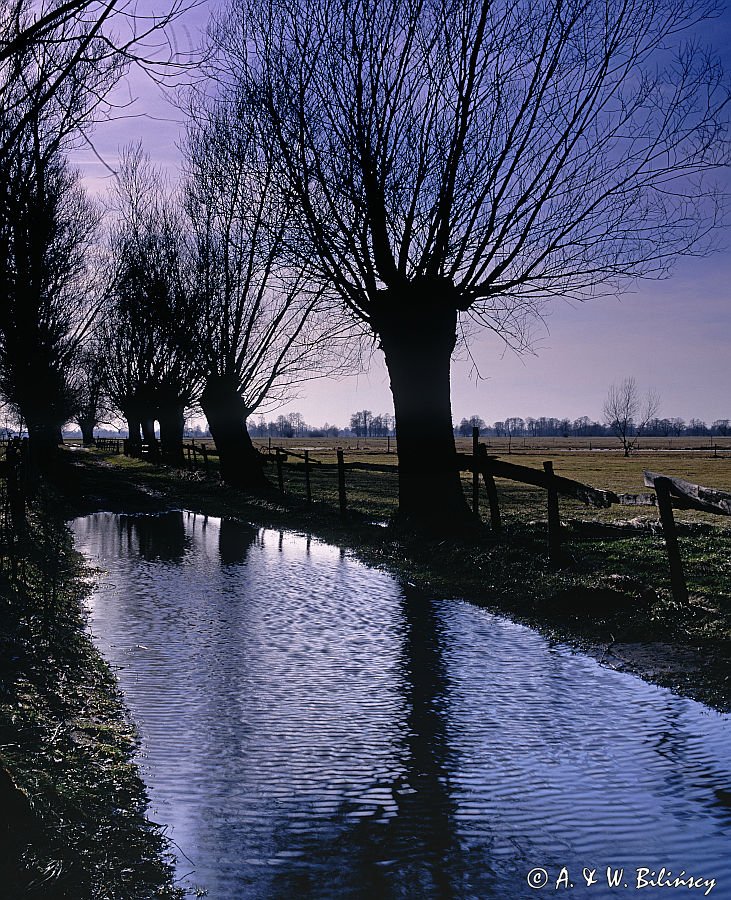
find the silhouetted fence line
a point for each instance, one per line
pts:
(193, 452)
(669, 493)
(109, 445)
(141, 449)
(679, 494)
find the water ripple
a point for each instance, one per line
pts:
(310, 729)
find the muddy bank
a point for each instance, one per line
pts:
(72, 804)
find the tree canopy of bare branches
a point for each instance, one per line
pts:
(151, 326)
(263, 327)
(62, 57)
(628, 414)
(47, 230)
(467, 161)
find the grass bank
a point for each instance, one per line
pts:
(72, 805)
(612, 599)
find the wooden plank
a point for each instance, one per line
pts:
(686, 495)
(637, 499)
(491, 465)
(492, 497)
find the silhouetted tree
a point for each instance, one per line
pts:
(457, 163)
(153, 309)
(627, 414)
(88, 390)
(51, 52)
(47, 227)
(360, 422)
(262, 330)
(697, 427)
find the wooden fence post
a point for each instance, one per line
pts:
(308, 486)
(16, 498)
(204, 452)
(475, 472)
(341, 483)
(554, 520)
(491, 489)
(280, 473)
(665, 508)
(195, 455)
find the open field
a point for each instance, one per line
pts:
(374, 492)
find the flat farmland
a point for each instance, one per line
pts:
(600, 464)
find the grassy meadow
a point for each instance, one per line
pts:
(598, 463)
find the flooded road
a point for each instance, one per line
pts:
(310, 729)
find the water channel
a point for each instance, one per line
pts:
(310, 728)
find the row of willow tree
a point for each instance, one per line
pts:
(405, 170)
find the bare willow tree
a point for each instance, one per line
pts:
(47, 231)
(90, 402)
(152, 307)
(628, 414)
(457, 162)
(263, 329)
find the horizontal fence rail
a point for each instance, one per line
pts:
(299, 471)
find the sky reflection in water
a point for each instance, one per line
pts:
(311, 729)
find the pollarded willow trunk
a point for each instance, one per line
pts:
(417, 332)
(171, 417)
(43, 442)
(133, 427)
(148, 428)
(44, 411)
(87, 431)
(241, 463)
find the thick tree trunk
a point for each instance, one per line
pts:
(417, 335)
(172, 424)
(241, 464)
(133, 428)
(148, 428)
(42, 443)
(87, 431)
(41, 402)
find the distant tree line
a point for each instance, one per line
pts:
(517, 427)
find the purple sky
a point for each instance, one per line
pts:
(673, 336)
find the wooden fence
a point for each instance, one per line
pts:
(110, 445)
(193, 454)
(669, 493)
